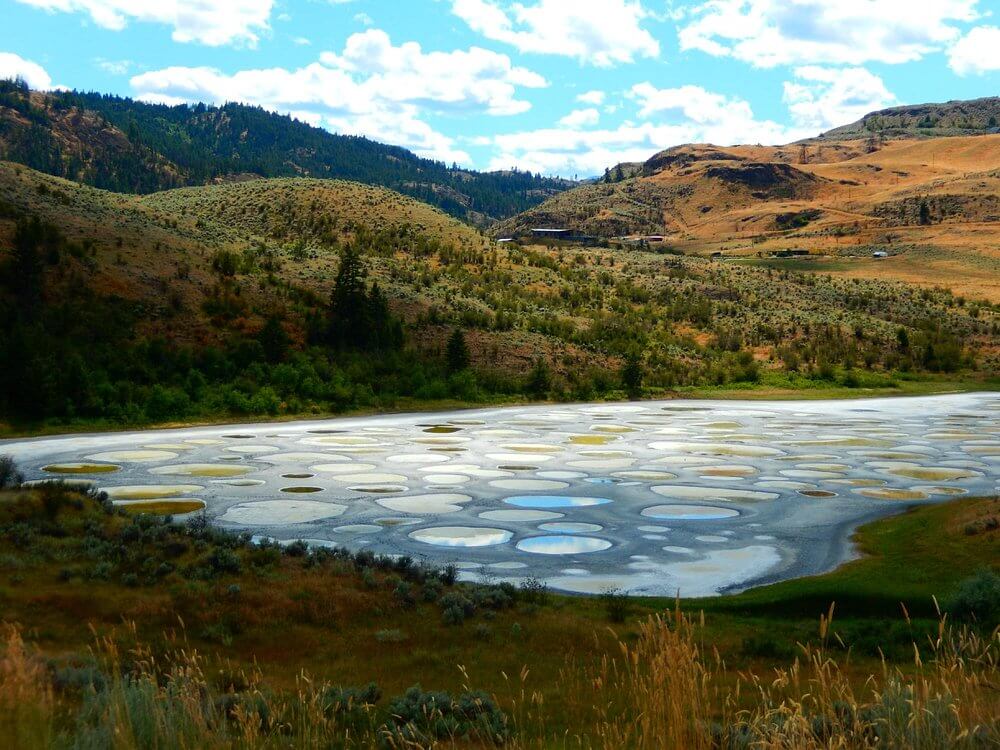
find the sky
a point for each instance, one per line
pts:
(565, 87)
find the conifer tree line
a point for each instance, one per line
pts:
(172, 146)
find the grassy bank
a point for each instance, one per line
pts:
(97, 595)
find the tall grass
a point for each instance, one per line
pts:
(668, 689)
(664, 688)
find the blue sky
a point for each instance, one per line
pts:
(555, 86)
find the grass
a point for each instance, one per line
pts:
(71, 572)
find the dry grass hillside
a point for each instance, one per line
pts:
(294, 210)
(931, 204)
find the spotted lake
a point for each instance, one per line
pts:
(656, 498)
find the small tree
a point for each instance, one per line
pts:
(457, 352)
(925, 212)
(273, 340)
(539, 379)
(632, 375)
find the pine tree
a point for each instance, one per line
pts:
(925, 212)
(457, 352)
(632, 375)
(273, 340)
(348, 302)
(539, 380)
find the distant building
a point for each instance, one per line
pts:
(547, 234)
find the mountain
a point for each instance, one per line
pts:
(932, 204)
(968, 117)
(125, 145)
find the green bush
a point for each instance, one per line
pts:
(977, 599)
(420, 718)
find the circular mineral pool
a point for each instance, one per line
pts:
(461, 536)
(690, 512)
(561, 544)
(81, 468)
(544, 502)
(281, 512)
(432, 504)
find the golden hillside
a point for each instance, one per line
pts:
(932, 205)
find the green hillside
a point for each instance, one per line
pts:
(129, 146)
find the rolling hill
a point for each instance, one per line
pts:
(129, 146)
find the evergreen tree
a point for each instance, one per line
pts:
(632, 375)
(359, 319)
(348, 302)
(539, 379)
(273, 340)
(457, 352)
(925, 212)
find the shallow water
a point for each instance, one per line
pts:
(751, 491)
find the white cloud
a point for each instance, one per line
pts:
(687, 114)
(977, 52)
(210, 22)
(371, 88)
(595, 97)
(767, 33)
(114, 67)
(463, 79)
(824, 98)
(600, 32)
(15, 66)
(581, 118)
(710, 117)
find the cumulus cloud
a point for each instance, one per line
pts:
(669, 117)
(824, 98)
(372, 88)
(767, 33)
(581, 118)
(711, 117)
(595, 97)
(977, 52)
(15, 66)
(599, 32)
(213, 23)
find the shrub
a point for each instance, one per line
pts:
(534, 591)
(421, 717)
(453, 615)
(977, 598)
(390, 635)
(616, 604)
(9, 475)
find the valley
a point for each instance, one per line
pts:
(306, 441)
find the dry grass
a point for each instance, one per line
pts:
(669, 689)
(665, 689)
